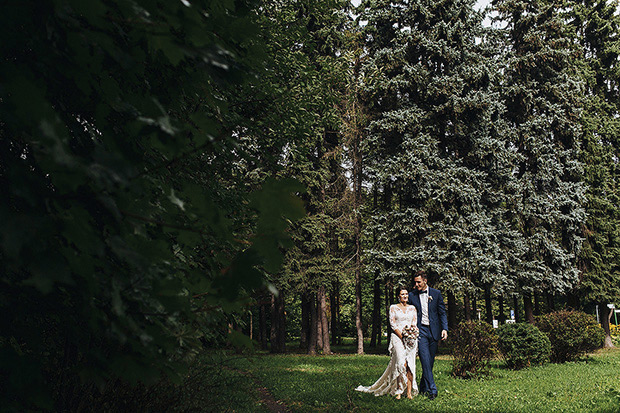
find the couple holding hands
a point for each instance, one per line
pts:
(418, 322)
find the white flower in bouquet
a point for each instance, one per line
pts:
(410, 335)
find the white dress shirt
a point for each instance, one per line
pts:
(424, 306)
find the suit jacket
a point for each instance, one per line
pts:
(438, 320)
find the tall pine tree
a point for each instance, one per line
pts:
(543, 96)
(434, 149)
(597, 26)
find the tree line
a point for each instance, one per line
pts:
(483, 153)
(175, 172)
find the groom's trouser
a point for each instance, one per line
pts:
(427, 347)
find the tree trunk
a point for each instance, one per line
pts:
(319, 323)
(488, 305)
(515, 303)
(274, 325)
(334, 299)
(501, 318)
(358, 285)
(262, 324)
(474, 307)
(376, 312)
(536, 303)
(313, 337)
(278, 324)
(319, 327)
(528, 308)
(358, 305)
(550, 302)
(606, 314)
(251, 325)
(281, 323)
(324, 320)
(304, 332)
(357, 191)
(451, 310)
(467, 307)
(388, 288)
(375, 335)
(573, 300)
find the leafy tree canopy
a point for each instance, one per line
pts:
(115, 257)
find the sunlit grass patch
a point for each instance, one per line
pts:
(327, 383)
(307, 368)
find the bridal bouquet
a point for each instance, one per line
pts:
(410, 335)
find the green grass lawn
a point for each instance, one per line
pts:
(325, 383)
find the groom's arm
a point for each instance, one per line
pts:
(443, 317)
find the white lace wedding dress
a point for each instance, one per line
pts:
(394, 378)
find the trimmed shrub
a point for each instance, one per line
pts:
(615, 333)
(473, 345)
(572, 334)
(523, 345)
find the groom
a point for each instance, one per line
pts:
(433, 326)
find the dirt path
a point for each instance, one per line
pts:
(266, 398)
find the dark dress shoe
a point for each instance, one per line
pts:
(432, 396)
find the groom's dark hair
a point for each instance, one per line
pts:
(420, 273)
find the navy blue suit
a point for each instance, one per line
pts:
(429, 335)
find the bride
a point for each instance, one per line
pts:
(400, 372)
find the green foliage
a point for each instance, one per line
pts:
(146, 151)
(473, 345)
(307, 40)
(129, 230)
(523, 345)
(435, 151)
(600, 280)
(572, 334)
(543, 94)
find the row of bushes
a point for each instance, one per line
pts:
(558, 337)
